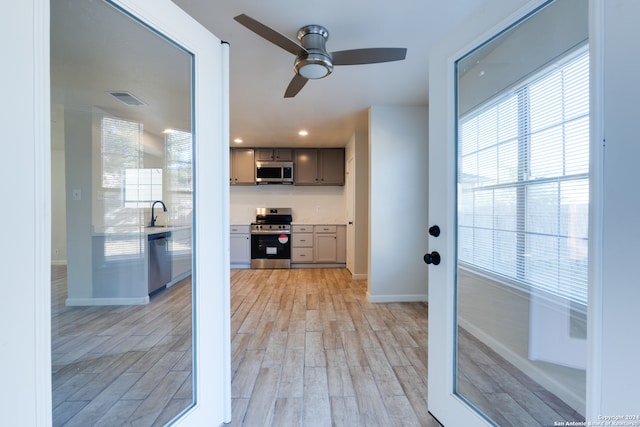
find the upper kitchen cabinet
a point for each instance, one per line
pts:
(242, 166)
(274, 154)
(322, 166)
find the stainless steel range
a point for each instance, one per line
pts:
(271, 238)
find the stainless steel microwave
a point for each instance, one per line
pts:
(274, 172)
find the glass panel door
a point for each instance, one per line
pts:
(122, 306)
(522, 155)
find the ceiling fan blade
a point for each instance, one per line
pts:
(269, 34)
(294, 87)
(368, 56)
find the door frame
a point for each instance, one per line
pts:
(443, 403)
(27, 369)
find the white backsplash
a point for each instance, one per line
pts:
(310, 205)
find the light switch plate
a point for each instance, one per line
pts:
(77, 194)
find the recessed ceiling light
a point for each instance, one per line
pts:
(238, 141)
(303, 133)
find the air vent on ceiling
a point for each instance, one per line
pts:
(127, 98)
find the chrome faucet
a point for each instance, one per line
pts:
(153, 217)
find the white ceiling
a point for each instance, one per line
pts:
(330, 109)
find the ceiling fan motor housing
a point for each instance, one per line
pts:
(316, 63)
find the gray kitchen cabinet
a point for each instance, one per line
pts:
(322, 166)
(302, 244)
(318, 244)
(240, 246)
(274, 154)
(332, 166)
(305, 171)
(326, 247)
(341, 244)
(242, 166)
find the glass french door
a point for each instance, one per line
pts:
(133, 130)
(509, 189)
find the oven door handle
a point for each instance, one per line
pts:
(271, 232)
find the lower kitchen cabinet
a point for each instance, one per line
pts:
(318, 244)
(240, 244)
(302, 244)
(326, 244)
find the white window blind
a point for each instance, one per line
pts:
(179, 165)
(120, 154)
(523, 164)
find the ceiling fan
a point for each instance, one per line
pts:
(312, 59)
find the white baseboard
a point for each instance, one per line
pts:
(178, 278)
(359, 276)
(59, 262)
(240, 266)
(396, 298)
(311, 265)
(523, 364)
(74, 302)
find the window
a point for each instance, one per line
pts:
(142, 187)
(179, 190)
(523, 182)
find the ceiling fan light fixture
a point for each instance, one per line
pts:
(313, 61)
(313, 66)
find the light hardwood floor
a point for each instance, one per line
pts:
(505, 393)
(308, 349)
(120, 366)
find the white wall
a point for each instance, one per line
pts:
(361, 220)
(398, 143)
(310, 205)
(58, 209)
(484, 73)
(499, 315)
(78, 158)
(358, 249)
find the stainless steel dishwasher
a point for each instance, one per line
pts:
(159, 260)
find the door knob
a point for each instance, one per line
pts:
(432, 258)
(434, 230)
